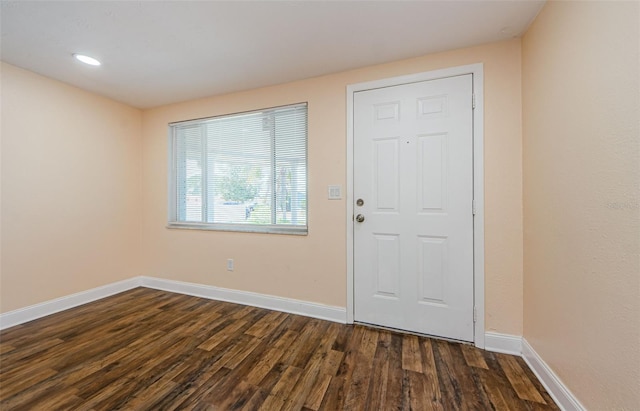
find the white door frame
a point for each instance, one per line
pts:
(478, 181)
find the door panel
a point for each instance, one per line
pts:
(386, 183)
(413, 168)
(387, 265)
(432, 172)
(432, 269)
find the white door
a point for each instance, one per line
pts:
(413, 186)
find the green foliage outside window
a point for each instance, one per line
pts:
(240, 185)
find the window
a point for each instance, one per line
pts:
(241, 172)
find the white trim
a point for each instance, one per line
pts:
(503, 343)
(478, 198)
(563, 397)
(351, 89)
(478, 182)
(23, 315)
(271, 302)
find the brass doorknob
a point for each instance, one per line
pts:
(359, 218)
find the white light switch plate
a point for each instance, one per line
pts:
(335, 192)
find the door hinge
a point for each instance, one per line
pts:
(473, 207)
(475, 315)
(473, 100)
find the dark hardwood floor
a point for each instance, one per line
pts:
(153, 350)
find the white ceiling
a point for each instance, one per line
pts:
(160, 52)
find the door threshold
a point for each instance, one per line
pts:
(407, 332)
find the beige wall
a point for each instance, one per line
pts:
(71, 198)
(313, 268)
(581, 110)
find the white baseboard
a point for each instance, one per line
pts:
(503, 343)
(554, 386)
(289, 305)
(23, 315)
(320, 311)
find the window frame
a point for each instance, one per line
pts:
(172, 216)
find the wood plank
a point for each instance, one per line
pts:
(332, 362)
(198, 392)
(342, 339)
(223, 335)
(494, 393)
(357, 391)
(24, 382)
(393, 397)
(419, 393)
(534, 380)
(241, 349)
(519, 380)
(233, 399)
(278, 395)
(411, 359)
(473, 356)
(315, 396)
(15, 362)
(307, 381)
(265, 359)
(266, 324)
(55, 399)
(149, 397)
(449, 386)
(264, 365)
(25, 352)
(497, 385)
(431, 383)
(186, 393)
(336, 393)
(467, 380)
(307, 342)
(6, 348)
(334, 396)
(377, 390)
(256, 400)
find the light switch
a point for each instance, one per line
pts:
(335, 192)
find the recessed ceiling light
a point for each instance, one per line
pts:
(87, 60)
(506, 31)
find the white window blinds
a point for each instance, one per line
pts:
(241, 172)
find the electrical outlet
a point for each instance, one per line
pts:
(230, 264)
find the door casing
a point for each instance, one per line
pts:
(478, 182)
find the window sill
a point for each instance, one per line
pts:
(240, 228)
